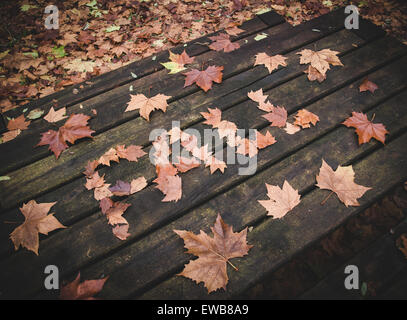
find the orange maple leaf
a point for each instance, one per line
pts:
(37, 220)
(281, 201)
(270, 62)
(341, 182)
(81, 291)
(222, 42)
(365, 128)
(204, 79)
(147, 105)
(213, 254)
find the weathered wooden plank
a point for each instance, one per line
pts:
(377, 264)
(275, 241)
(150, 212)
(317, 261)
(398, 289)
(111, 105)
(368, 30)
(137, 131)
(75, 203)
(141, 68)
(270, 18)
(3, 127)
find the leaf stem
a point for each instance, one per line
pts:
(233, 266)
(374, 115)
(323, 201)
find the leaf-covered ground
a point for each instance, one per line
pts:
(97, 36)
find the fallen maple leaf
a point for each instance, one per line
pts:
(121, 188)
(95, 181)
(291, 129)
(341, 182)
(10, 135)
(115, 212)
(263, 141)
(105, 204)
(131, 153)
(109, 155)
(281, 201)
(213, 254)
(314, 74)
(81, 291)
(121, 231)
(271, 62)
(18, 123)
(304, 117)
(365, 128)
(37, 220)
(147, 105)
(185, 164)
(102, 192)
(320, 60)
(90, 168)
(55, 116)
(368, 85)
(181, 59)
(215, 164)
(138, 184)
(76, 127)
(277, 117)
(222, 42)
(204, 79)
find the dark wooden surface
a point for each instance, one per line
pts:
(145, 265)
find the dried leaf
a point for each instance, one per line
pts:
(368, 85)
(55, 116)
(304, 117)
(37, 220)
(147, 105)
(365, 128)
(277, 117)
(282, 200)
(121, 231)
(204, 79)
(213, 254)
(81, 291)
(222, 42)
(270, 62)
(341, 182)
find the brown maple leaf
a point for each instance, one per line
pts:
(81, 291)
(365, 128)
(282, 200)
(277, 117)
(90, 168)
(204, 78)
(18, 123)
(37, 220)
(213, 117)
(320, 60)
(147, 105)
(115, 212)
(182, 59)
(138, 184)
(213, 254)
(341, 181)
(10, 135)
(55, 116)
(105, 204)
(215, 164)
(121, 231)
(314, 74)
(168, 182)
(263, 141)
(95, 181)
(76, 127)
(271, 62)
(304, 117)
(109, 155)
(185, 164)
(368, 85)
(131, 153)
(121, 188)
(222, 42)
